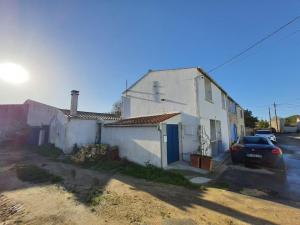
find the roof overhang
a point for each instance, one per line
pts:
(143, 121)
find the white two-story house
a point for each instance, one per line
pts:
(185, 109)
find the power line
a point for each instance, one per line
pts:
(253, 45)
(291, 34)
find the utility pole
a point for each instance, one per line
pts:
(270, 118)
(276, 117)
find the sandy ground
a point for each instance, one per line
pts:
(126, 200)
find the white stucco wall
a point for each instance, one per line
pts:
(40, 114)
(63, 132)
(183, 91)
(287, 129)
(80, 132)
(137, 144)
(175, 86)
(57, 131)
(189, 136)
(213, 111)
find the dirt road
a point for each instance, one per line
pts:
(125, 200)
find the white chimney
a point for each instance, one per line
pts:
(74, 102)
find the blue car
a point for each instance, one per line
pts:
(255, 150)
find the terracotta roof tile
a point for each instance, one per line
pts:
(144, 120)
(91, 115)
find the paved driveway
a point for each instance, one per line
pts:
(268, 183)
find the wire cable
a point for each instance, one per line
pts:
(254, 45)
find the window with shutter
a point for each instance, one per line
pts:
(223, 101)
(208, 91)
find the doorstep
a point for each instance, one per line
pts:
(220, 164)
(200, 180)
(220, 161)
(185, 166)
(194, 175)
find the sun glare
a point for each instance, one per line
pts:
(13, 73)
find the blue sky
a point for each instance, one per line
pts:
(95, 46)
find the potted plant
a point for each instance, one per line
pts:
(205, 160)
(195, 160)
(114, 153)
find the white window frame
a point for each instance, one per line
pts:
(223, 99)
(208, 90)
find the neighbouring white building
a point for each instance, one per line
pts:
(169, 114)
(62, 127)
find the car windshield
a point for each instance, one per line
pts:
(254, 140)
(263, 132)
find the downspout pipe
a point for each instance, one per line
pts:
(161, 144)
(196, 83)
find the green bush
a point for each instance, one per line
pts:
(34, 174)
(148, 172)
(49, 150)
(94, 197)
(152, 173)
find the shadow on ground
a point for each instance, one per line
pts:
(81, 181)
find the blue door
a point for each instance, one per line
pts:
(172, 143)
(234, 134)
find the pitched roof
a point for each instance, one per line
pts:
(81, 114)
(143, 120)
(197, 68)
(91, 115)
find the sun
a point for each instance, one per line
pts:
(13, 73)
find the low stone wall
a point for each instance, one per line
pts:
(289, 129)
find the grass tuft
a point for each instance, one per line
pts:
(155, 174)
(34, 174)
(147, 172)
(220, 185)
(95, 197)
(48, 150)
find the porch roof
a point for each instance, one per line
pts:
(144, 120)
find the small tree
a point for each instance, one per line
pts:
(263, 124)
(250, 120)
(116, 108)
(291, 121)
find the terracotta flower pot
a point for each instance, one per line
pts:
(114, 154)
(206, 162)
(195, 160)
